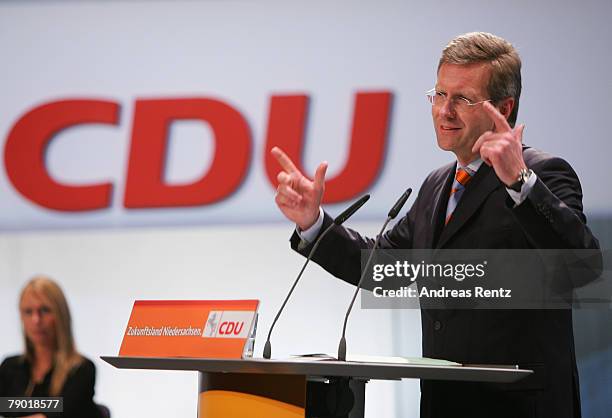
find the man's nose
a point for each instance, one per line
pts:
(447, 110)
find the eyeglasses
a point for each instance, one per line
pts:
(437, 99)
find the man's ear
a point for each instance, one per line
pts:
(505, 106)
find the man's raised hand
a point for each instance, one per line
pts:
(502, 148)
(298, 197)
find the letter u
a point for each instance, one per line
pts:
(287, 124)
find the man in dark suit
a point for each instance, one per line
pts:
(498, 194)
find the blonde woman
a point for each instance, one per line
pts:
(50, 365)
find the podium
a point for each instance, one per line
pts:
(259, 388)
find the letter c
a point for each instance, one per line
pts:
(26, 145)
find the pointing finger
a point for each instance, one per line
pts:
(501, 124)
(284, 160)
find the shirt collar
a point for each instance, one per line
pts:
(472, 167)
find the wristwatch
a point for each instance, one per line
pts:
(522, 179)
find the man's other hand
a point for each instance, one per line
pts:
(298, 197)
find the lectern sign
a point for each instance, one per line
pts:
(198, 328)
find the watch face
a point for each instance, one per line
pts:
(524, 175)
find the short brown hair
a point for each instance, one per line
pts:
(475, 47)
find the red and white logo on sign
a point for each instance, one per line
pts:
(228, 324)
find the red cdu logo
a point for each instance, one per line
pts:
(231, 328)
(144, 185)
(228, 324)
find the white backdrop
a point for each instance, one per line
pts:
(243, 52)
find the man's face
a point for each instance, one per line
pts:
(457, 130)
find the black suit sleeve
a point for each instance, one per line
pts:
(340, 252)
(552, 215)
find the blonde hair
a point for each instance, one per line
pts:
(65, 356)
(476, 47)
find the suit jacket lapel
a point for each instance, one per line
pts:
(440, 193)
(476, 191)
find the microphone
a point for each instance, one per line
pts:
(338, 220)
(399, 204)
(392, 214)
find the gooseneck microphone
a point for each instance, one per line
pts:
(338, 220)
(392, 214)
(348, 212)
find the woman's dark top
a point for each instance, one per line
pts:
(78, 390)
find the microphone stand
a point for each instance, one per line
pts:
(392, 214)
(339, 220)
